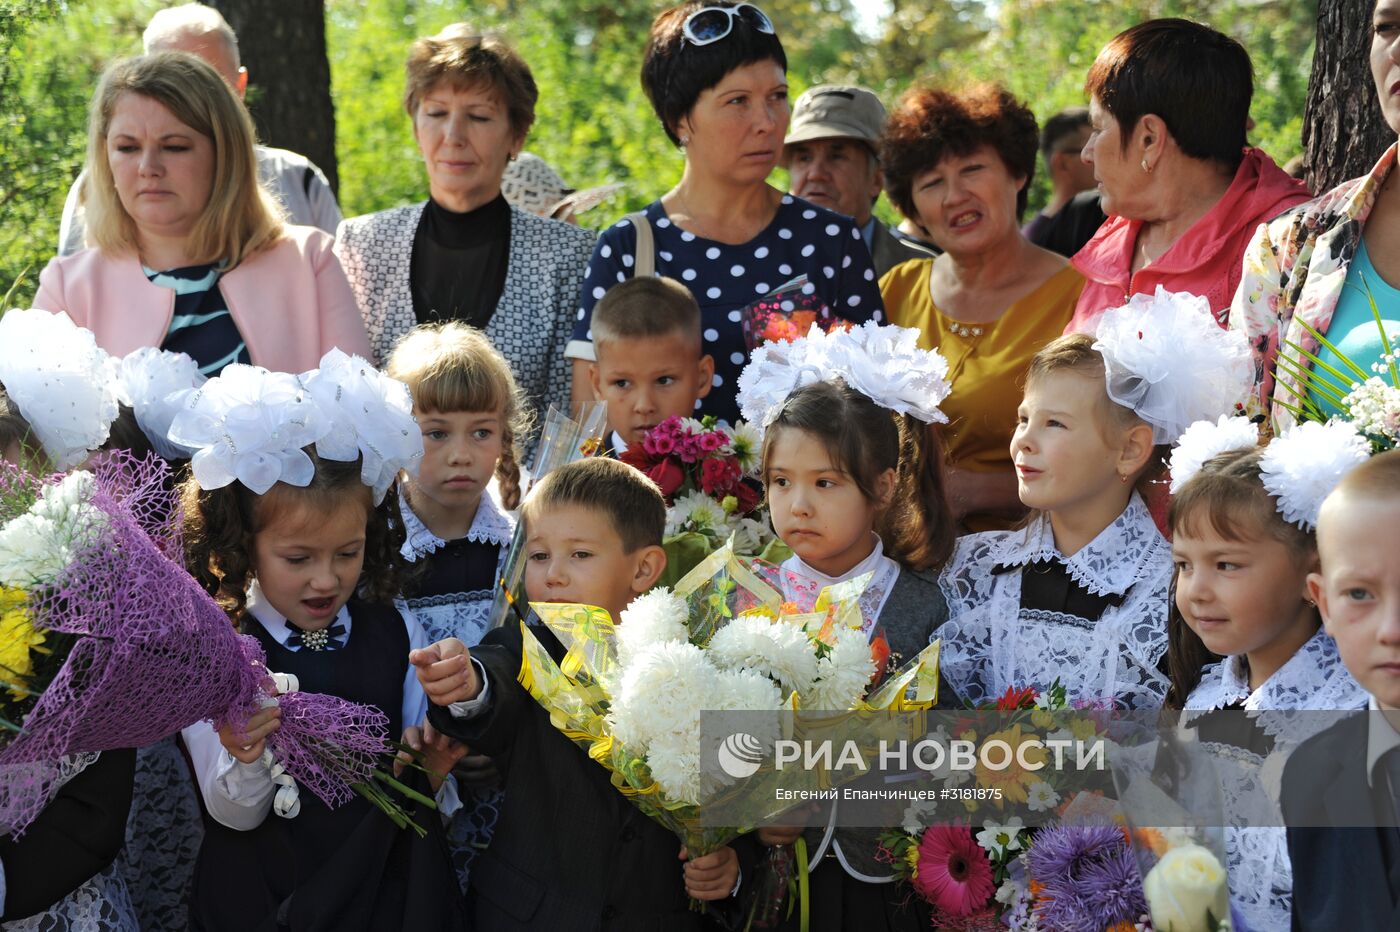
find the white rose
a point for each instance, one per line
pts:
(1186, 890)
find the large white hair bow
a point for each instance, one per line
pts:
(1304, 464)
(249, 425)
(1167, 360)
(370, 416)
(1204, 440)
(884, 363)
(155, 383)
(61, 381)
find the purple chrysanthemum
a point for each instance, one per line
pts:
(1060, 850)
(1087, 876)
(1111, 888)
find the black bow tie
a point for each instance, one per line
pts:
(332, 638)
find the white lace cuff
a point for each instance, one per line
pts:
(471, 708)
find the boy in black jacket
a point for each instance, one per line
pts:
(1341, 788)
(570, 852)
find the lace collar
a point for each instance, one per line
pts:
(1313, 678)
(1126, 551)
(490, 526)
(872, 600)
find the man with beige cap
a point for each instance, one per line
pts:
(830, 154)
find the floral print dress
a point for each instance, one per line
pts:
(1294, 272)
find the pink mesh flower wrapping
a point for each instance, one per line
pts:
(153, 653)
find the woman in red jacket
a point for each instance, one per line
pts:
(1168, 102)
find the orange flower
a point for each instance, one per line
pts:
(1151, 839)
(880, 653)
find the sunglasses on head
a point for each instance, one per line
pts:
(713, 23)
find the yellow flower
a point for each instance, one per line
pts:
(1084, 728)
(1013, 780)
(1040, 718)
(911, 857)
(18, 637)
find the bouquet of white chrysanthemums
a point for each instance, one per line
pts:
(632, 694)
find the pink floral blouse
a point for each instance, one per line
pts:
(1294, 271)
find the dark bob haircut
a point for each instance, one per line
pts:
(675, 73)
(932, 123)
(1199, 81)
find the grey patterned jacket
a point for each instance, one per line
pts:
(537, 310)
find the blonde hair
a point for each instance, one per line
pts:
(1377, 478)
(453, 367)
(1074, 352)
(646, 307)
(241, 219)
(465, 58)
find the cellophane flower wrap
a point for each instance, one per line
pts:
(787, 313)
(562, 441)
(707, 473)
(979, 870)
(630, 695)
(109, 643)
(1171, 795)
(1343, 417)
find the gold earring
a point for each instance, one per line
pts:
(1145, 167)
(1122, 478)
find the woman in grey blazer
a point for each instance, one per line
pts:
(465, 254)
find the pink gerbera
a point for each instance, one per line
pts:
(954, 873)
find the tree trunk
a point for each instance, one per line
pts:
(1344, 132)
(283, 46)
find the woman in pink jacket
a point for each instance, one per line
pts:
(1168, 103)
(186, 251)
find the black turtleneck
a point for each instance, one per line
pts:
(458, 269)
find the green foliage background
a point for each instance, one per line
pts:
(594, 123)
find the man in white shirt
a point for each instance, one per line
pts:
(292, 179)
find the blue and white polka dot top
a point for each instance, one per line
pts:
(803, 239)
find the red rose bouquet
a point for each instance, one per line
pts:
(706, 471)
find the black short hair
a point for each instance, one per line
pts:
(1065, 123)
(1198, 80)
(675, 73)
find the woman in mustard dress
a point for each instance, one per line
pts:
(960, 164)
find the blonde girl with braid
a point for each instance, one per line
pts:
(457, 515)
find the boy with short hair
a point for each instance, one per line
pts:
(1348, 877)
(593, 534)
(651, 363)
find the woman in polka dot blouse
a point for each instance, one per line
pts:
(716, 77)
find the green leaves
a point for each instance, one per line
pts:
(593, 122)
